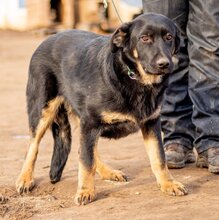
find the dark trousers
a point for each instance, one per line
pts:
(190, 112)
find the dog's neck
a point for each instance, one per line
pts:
(122, 75)
(125, 64)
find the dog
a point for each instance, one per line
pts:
(113, 85)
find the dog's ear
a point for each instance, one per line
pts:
(177, 41)
(120, 36)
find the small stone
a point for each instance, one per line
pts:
(62, 205)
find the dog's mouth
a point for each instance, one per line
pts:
(156, 71)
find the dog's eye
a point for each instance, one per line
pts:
(169, 37)
(146, 39)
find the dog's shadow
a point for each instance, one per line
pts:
(193, 177)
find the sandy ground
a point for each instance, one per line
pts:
(139, 198)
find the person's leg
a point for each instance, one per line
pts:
(176, 112)
(203, 34)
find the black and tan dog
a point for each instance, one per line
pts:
(113, 85)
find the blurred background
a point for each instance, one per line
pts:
(90, 15)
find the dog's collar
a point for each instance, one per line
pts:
(131, 74)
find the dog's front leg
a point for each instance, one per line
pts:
(87, 165)
(151, 131)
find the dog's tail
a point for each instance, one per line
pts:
(61, 131)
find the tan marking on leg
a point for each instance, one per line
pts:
(72, 116)
(25, 181)
(106, 172)
(114, 117)
(161, 172)
(86, 177)
(85, 192)
(147, 78)
(151, 144)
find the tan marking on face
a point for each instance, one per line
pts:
(114, 117)
(48, 115)
(135, 53)
(147, 79)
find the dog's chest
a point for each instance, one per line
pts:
(112, 117)
(117, 124)
(125, 115)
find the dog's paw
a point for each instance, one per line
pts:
(115, 175)
(24, 184)
(83, 197)
(174, 188)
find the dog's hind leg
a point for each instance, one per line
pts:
(61, 130)
(25, 181)
(106, 172)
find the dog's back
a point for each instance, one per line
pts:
(57, 60)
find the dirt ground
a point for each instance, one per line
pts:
(139, 198)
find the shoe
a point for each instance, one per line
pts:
(177, 156)
(209, 159)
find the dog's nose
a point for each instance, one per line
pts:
(163, 63)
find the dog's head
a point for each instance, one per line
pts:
(150, 42)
